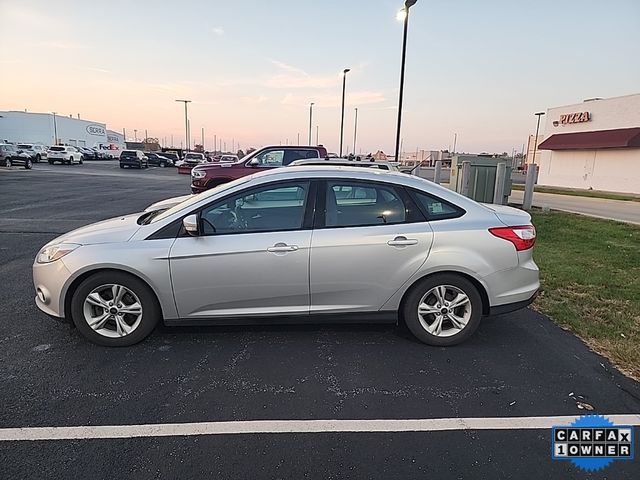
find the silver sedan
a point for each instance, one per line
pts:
(337, 244)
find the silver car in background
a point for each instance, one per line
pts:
(313, 244)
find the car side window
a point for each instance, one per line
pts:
(351, 204)
(436, 208)
(271, 158)
(263, 209)
(291, 155)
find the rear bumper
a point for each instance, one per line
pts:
(512, 307)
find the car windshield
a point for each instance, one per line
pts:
(196, 198)
(25, 147)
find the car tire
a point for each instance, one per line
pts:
(136, 292)
(81, 161)
(38, 158)
(426, 293)
(28, 165)
(121, 166)
(8, 163)
(162, 164)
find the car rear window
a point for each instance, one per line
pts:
(128, 154)
(26, 147)
(57, 149)
(436, 208)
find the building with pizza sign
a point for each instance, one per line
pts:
(592, 145)
(49, 129)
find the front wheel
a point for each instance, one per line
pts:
(28, 165)
(114, 309)
(81, 161)
(162, 164)
(38, 158)
(442, 310)
(7, 163)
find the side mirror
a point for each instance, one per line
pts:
(254, 162)
(190, 224)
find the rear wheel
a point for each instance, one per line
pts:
(442, 310)
(114, 309)
(81, 161)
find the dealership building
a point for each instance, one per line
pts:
(592, 145)
(50, 129)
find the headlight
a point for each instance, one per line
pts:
(197, 173)
(54, 252)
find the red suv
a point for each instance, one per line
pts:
(209, 175)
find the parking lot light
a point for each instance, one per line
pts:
(404, 16)
(186, 122)
(344, 85)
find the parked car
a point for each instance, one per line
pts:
(309, 244)
(158, 159)
(10, 156)
(64, 154)
(229, 158)
(173, 156)
(88, 153)
(190, 160)
(133, 158)
(36, 152)
(204, 177)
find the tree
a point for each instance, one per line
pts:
(250, 150)
(240, 153)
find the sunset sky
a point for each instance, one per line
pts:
(477, 68)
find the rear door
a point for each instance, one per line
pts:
(368, 241)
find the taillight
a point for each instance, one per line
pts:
(523, 237)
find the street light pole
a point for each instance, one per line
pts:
(310, 120)
(405, 13)
(55, 129)
(344, 85)
(186, 122)
(317, 134)
(535, 142)
(355, 132)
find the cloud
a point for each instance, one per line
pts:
(218, 31)
(96, 69)
(332, 100)
(62, 45)
(254, 100)
(293, 77)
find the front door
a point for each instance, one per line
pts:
(371, 241)
(251, 257)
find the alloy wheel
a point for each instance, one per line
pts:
(444, 310)
(112, 310)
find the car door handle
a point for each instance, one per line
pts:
(401, 241)
(282, 247)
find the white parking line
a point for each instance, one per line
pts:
(294, 426)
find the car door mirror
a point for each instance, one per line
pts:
(190, 224)
(254, 162)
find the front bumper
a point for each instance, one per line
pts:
(49, 280)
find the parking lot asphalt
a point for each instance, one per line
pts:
(516, 365)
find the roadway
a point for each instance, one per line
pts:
(622, 211)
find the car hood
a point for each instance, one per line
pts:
(119, 229)
(508, 215)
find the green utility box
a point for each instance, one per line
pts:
(482, 177)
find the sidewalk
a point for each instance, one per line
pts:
(619, 210)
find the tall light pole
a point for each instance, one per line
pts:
(344, 86)
(404, 15)
(55, 129)
(535, 142)
(310, 120)
(355, 131)
(135, 135)
(203, 139)
(186, 122)
(215, 142)
(317, 135)
(455, 140)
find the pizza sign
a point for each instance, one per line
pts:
(579, 117)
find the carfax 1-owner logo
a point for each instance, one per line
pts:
(592, 442)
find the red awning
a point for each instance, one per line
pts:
(617, 138)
